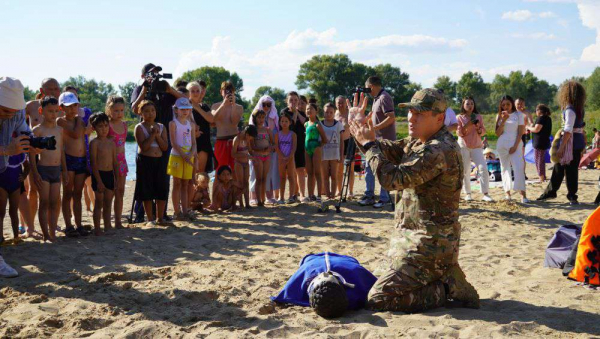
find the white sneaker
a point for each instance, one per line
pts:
(468, 197)
(525, 201)
(305, 200)
(487, 198)
(7, 271)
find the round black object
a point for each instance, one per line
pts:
(329, 299)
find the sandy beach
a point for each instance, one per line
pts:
(213, 278)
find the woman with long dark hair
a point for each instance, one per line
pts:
(571, 97)
(510, 127)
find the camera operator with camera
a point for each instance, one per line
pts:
(12, 139)
(421, 271)
(384, 123)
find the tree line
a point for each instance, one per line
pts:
(324, 77)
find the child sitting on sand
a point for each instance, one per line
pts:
(200, 197)
(226, 192)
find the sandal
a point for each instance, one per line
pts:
(71, 232)
(82, 232)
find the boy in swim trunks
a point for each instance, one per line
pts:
(76, 159)
(103, 157)
(11, 183)
(46, 171)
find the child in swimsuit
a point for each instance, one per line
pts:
(181, 161)
(11, 181)
(200, 197)
(226, 192)
(261, 148)
(46, 171)
(117, 131)
(315, 138)
(333, 151)
(241, 153)
(103, 158)
(76, 158)
(286, 142)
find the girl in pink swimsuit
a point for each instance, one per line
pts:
(261, 148)
(241, 153)
(117, 131)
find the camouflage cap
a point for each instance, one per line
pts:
(428, 99)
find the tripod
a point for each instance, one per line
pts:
(346, 179)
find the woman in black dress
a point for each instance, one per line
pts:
(197, 90)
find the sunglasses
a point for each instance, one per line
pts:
(267, 104)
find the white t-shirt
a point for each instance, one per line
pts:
(511, 128)
(450, 118)
(331, 150)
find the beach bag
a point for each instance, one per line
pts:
(494, 170)
(561, 245)
(587, 262)
(554, 148)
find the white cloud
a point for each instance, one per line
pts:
(520, 15)
(277, 65)
(558, 52)
(534, 36)
(547, 15)
(589, 12)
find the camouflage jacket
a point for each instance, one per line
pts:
(430, 177)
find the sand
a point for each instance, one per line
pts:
(213, 278)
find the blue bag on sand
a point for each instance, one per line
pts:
(347, 269)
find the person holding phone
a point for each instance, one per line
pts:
(227, 115)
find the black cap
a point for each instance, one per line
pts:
(147, 67)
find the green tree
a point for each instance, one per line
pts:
(92, 93)
(29, 94)
(449, 87)
(277, 94)
(592, 85)
(396, 82)
(214, 76)
(328, 76)
(525, 85)
(472, 84)
(125, 91)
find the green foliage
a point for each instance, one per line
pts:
(592, 86)
(92, 94)
(527, 86)
(472, 84)
(449, 87)
(125, 91)
(395, 82)
(214, 76)
(277, 94)
(328, 76)
(29, 94)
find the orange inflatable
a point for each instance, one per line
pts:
(587, 263)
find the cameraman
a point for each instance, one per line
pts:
(384, 124)
(12, 142)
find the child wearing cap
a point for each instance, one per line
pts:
(183, 153)
(46, 171)
(117, 131)
(76, 159)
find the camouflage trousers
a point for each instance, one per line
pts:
(408, 289)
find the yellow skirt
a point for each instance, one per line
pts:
(179, 168)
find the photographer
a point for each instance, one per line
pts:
(384, 125)
(422, 270)
(12, 142)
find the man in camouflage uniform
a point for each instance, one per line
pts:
(422, 271)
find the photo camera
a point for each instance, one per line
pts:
(48, 143)
(362, 90)
(153, 82)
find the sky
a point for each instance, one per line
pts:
(265, 42)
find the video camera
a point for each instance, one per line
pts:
(362, 90)
(153, 82)
(48, 143)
